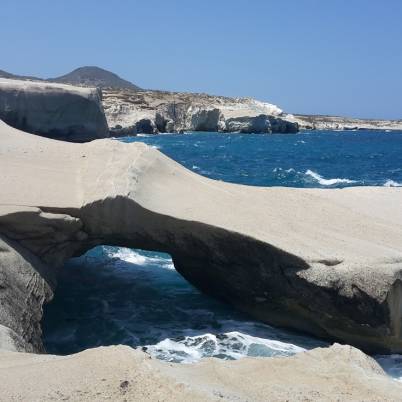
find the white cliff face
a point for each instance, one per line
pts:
(53, 110)
(250, 107)
(180, 111)
(186, 111)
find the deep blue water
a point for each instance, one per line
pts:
(364, 158)
(114, 295)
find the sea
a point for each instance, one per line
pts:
(114, 295)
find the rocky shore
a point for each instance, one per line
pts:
(120, 373)
(150, 112)
(159, 112)
(131, 110)
(317, 122)
(327, 262)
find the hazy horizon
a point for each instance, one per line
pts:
(308, 57)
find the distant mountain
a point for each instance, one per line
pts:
(5, 74)
(95, 77)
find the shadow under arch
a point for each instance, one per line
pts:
(115, 295)
(251, 275)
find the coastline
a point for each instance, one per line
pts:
(339, 281)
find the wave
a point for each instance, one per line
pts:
(327, 182)
(137, 258)
(392, 183)
(230, 346)
(309, 178)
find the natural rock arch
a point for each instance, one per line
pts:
(277, 253)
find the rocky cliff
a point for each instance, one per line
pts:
(57, 111)
(317, 122)
(129, 112)
(130, 109)
(327, 262)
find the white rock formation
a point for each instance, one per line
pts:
(328, 262)
(53, 110)
(317, 122)
(182, 111)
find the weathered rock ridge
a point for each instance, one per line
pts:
(120, 373)
(176, 112)
(168, 112)
(327, 262)
(57, 111)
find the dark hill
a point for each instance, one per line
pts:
(95, 77)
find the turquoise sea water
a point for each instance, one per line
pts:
(115, 295)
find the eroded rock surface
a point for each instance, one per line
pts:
(51, 110)
(119, 373)
(177, 112)
(328, 262)
(261, 124)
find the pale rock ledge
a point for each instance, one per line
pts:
(120, 373)
(327, 262)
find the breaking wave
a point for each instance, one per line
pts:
(230, 346)
(391, 183)
(328, 182)
(137, 298)
(309, 178)
(137, 258)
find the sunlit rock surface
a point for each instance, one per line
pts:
(119, 373)
(58, 111)
(177, 112)
(327, 262)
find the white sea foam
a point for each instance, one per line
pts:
(392, 365)
(327, 182)
(230, 345)
(392, 183)
(308, 176)
(279, 170)
(134, 257)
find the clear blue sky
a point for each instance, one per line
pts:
(308, 56)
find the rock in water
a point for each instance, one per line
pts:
(327, 262)
(208, 120)
(260, 124)
(56, 111)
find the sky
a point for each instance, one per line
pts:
(338, 57)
